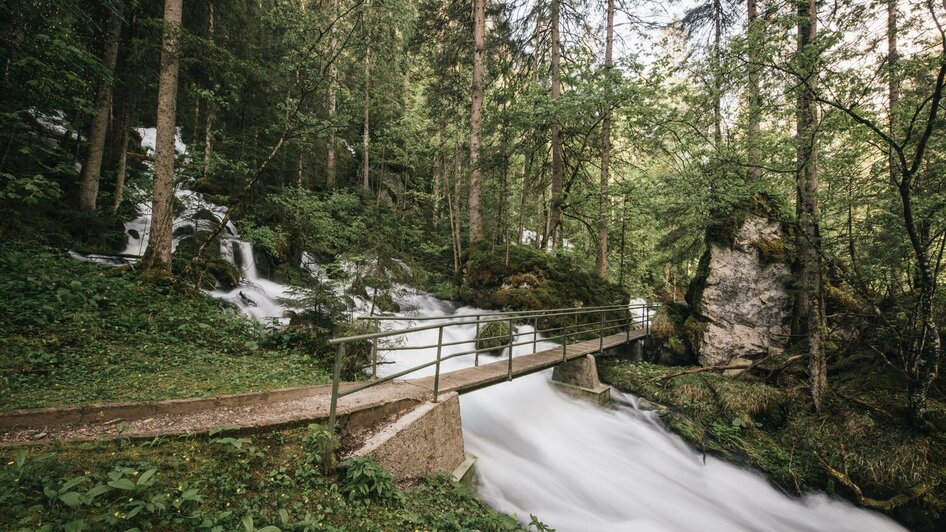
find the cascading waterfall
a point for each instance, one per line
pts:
(576, 466)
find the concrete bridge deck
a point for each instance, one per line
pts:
(271, 409)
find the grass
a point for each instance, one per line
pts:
(220, 483)
(74, 333)
(774, 429)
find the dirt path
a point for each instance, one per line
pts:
(270, 409)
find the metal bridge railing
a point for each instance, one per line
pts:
(565, 324)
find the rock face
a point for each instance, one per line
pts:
(741, 302)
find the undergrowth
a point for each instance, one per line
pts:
(77, 333)
(214, 482)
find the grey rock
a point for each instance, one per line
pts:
(745, 305)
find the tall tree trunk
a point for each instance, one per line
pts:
(122, 157)
(365, 139)
(158, 255)
(755, 102)
(440, 170)
(558, 170)
(208, 122)
(925, 345)
(809, 238)
(893, 84)
(89, 180)
(476, 122)
(603, 204)
(331, 104)
(717, 75)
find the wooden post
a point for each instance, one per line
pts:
(511, 341)
(476, 355)
(336, 376)
(437, 371)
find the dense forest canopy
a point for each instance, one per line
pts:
(619, 136)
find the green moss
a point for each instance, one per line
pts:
(693, 330)
(493, 336)
(662, 327)
(771, 250)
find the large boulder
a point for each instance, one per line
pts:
(741, 299)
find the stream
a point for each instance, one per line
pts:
(574, 465)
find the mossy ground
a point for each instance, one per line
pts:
(77, 333)
(774, 429)
(218, 483)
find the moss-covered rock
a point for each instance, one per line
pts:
(771, 250)
(212, 270)
(493, 336)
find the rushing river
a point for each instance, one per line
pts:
(580, 467)
(576, 466)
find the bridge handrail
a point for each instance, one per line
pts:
(516, 313)
(625, 322)
(496, 317)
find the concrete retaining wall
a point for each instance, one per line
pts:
(426, 440)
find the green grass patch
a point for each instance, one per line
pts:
(223, 483)
(75, 333)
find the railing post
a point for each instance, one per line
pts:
(535, 334)
(601, 335)
(511, 341)
(437, 371)
(630, 320)
(336, 376)
(374, 358)
(476, 355)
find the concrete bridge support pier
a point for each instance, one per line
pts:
(579, 378)
(426, 440)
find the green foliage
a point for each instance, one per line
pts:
(64, 320)
(366, 481)
(532, 280)
(271, 482)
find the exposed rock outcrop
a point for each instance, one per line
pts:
(740, 301)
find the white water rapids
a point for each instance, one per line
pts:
(580, 467)
(576, 466)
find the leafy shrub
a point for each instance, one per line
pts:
(365, 481)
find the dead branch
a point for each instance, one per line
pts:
(885, 505)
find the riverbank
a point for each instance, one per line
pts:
(861, 448)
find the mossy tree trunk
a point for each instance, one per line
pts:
(89, 180)
(158, 255)
(808, 235)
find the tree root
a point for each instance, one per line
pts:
(868, 502)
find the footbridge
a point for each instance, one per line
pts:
(579, 331)
(407, 415)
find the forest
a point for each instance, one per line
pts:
(195, 197)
